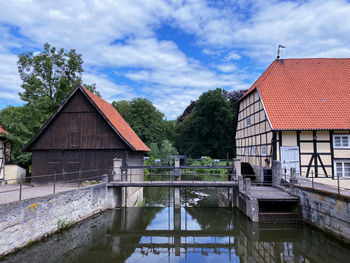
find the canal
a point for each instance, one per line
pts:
(198, 232)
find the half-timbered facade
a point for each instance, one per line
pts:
(81, 139)
(298, 112)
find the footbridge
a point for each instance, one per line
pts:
(258, 201)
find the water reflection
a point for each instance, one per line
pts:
(183, 235)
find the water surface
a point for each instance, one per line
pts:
(192, 234)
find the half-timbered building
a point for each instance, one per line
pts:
(298, 112)
(81, 139)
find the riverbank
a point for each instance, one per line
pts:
(27, 221)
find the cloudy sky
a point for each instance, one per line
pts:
(170, 51)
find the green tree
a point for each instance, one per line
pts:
(147, 122)
(47, 79)
(208, 129)
(20, 123)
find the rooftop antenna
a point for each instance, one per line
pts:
(279, 50)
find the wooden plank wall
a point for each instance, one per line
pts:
(78, 126)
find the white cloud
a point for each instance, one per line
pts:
(121, 36)
(227, 67)
(109, 90)
(232, 56)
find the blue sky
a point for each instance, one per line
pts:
(170, 51)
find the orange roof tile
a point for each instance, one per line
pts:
(118, 122)
(306, 94)
(2, 130)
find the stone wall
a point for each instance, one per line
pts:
(327, 211)
(26, 221)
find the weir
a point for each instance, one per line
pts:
(260, 203)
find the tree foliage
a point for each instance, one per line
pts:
(144, 119)
(49, 76)
(47, 79)
(207, 126)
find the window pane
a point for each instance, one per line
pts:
(337, 141)
(248, 121)
(345, 141)
(339, 168)
(347, 169)
(263, 150)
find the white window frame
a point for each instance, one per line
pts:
(341, 141)
(342, 161)
(249, 121)
(263, 152)
(254, 150)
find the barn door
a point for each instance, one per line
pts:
(290, 158)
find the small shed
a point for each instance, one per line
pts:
(81, 139)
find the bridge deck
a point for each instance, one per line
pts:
(270, 193)
(174, 184)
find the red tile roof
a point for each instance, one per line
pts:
(306, 94)
(117, 121)
(2, 130)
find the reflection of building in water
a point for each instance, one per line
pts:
(192, 234)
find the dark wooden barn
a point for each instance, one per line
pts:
(81, 139)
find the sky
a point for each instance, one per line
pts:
(169, 51)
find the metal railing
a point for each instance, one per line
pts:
(311, 182)
(51, 183)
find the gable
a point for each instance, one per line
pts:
(87, 116)
(78, 125)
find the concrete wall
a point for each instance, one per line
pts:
(327, 211)
(26, 221)
(13, 173)
(130, 196)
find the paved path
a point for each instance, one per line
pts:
(306, 182)
(10, 192)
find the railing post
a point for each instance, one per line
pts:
(20, 188)
(79, 177)
(338, 184)
(312, 178)
(54, 182)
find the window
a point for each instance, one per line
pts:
(342, 168)
(253, 150)
(263, 150)
(238, 151)
(341, 141)
(246, 151)
(249, 121)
